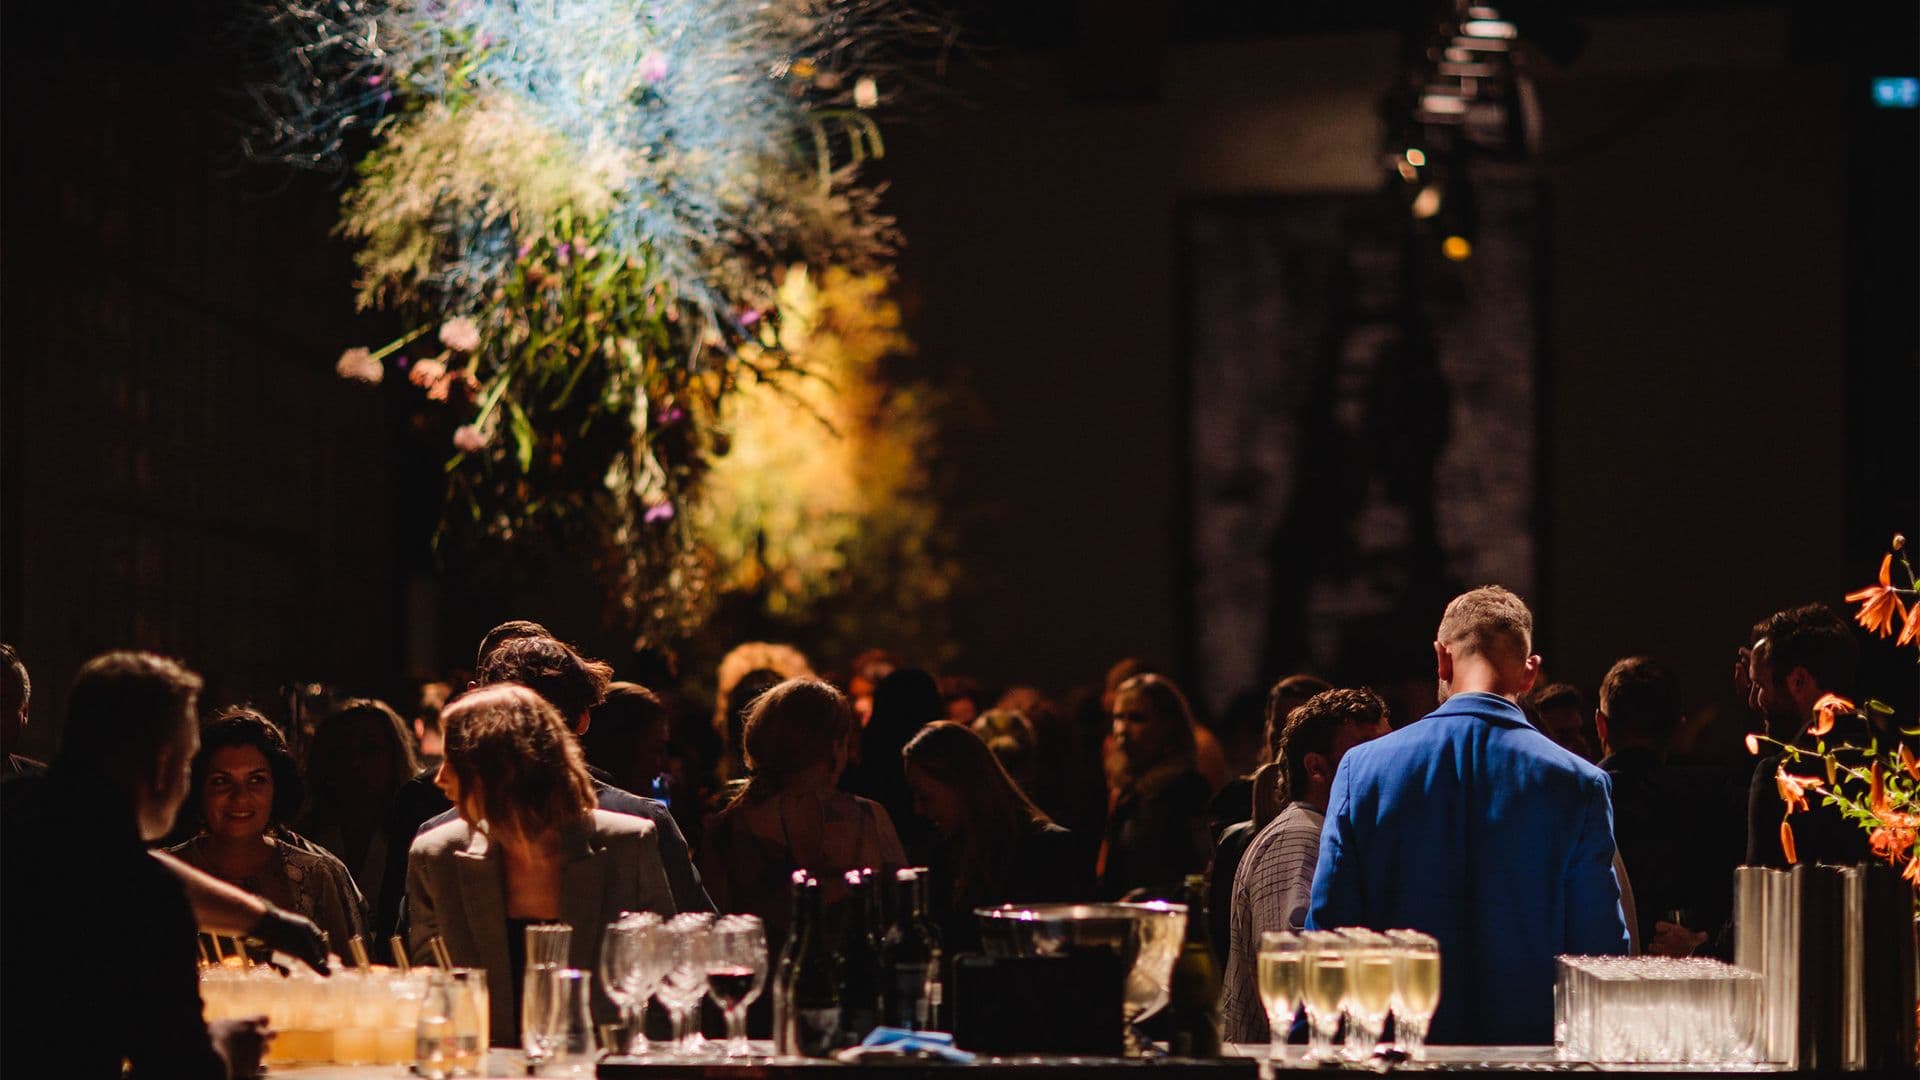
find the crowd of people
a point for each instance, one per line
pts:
(1511, 822)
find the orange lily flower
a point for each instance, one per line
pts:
(1793, 789)
(1824, 710)
(1891, 844)
(1753, 744)
(1877, 791)
(1909, 762)
(1913, 870)
(1880, 604)
(1912, 633)
(1786, 843)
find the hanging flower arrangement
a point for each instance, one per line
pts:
(581, 210)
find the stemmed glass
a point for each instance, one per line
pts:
(1326, 991)
(686, 939)
(1369, 990)
(1416, 989)
(737, 973)
(1281, 969)
(628, 972)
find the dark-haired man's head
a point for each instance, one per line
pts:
(1319, 733)
(132, 720)
(507, 631)
(1801, 654)
(568, 681)
(1639, 706)
(628, 736)
(1287, 695)
(1562, 710)
(1485, 643)
(15, 689)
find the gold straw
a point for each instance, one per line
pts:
(359, 950)
(206, 958)
(219, 954)
(441, 954)
(399, 953)
(240, 947)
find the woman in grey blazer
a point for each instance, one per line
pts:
(528, 848)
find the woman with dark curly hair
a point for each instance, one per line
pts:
(245, 787)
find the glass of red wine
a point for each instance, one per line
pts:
(737, 973)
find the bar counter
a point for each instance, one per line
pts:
(1242, 1063)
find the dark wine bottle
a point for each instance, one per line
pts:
(910, 959)
(1194, 1002)
(806, 1002)
(859, 961)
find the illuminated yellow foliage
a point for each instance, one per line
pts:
(826, 475)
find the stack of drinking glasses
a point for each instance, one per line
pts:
(1360, 976)
(556, 1029)
(1653, 1010)
(680, 962)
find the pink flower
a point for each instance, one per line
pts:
(360, 366)
(426, 373)
(468, 440)
(657, 513)
(750, 317)
(653, 68)
(460, 334)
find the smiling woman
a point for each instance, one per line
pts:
(245, 786)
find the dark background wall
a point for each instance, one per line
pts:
(1696, 365)
(182, 471)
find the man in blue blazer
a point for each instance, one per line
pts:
(1472, 825)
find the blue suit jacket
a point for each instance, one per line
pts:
(1473, 826)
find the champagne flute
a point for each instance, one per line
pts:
(1369, 990)
(1281, 965)
(737, 973)
(1416, 989)
(1326, 991)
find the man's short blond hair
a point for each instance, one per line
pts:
(1489, 621)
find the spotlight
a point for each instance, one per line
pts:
(1427, 203)
(1456, 248)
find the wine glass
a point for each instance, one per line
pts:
(686, 940)
(1369, 990)
(620, 961)
(737, 973)
(1416, 989)
(1280, 965)
(1326, 991)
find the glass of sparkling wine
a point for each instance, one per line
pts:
(1369, 990)
(1325, 991)
(1416, 989)
(1281, 963)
